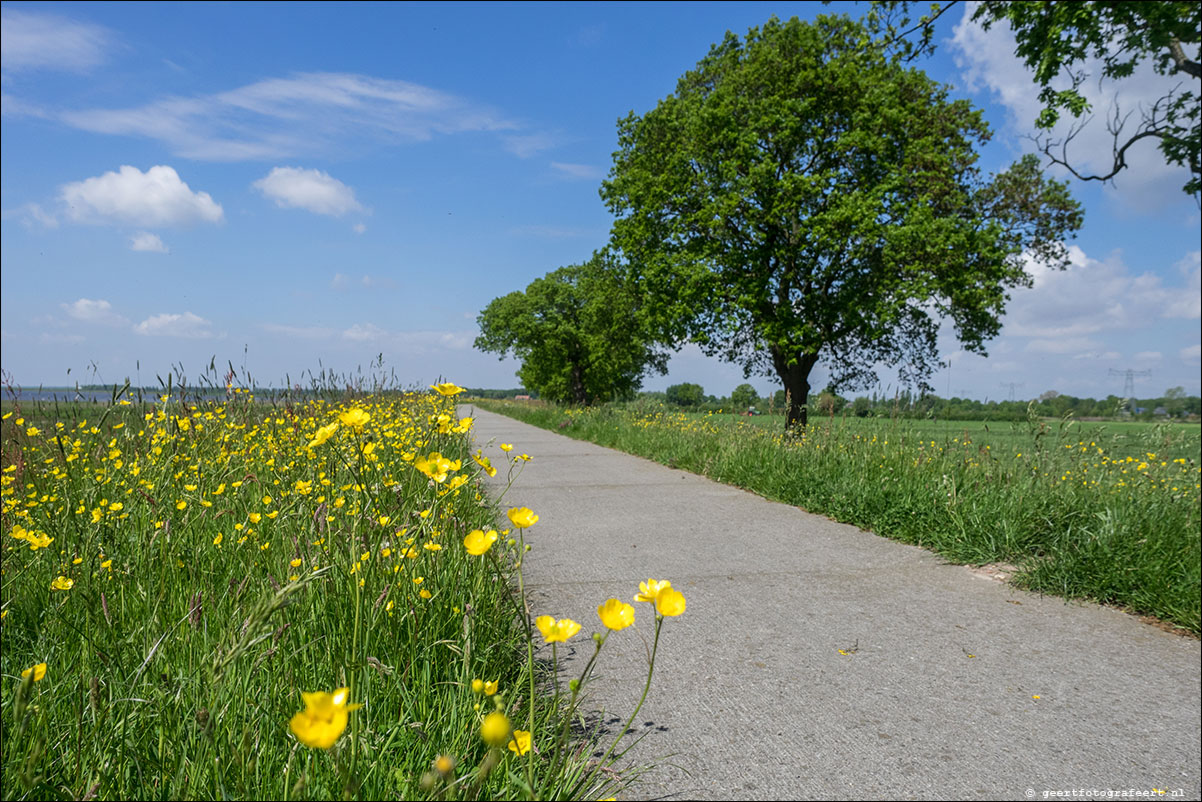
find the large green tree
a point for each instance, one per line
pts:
(577, 334)
(804, 197)
(1056, 40)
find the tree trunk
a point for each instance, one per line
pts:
(796, 377)
(579, 393)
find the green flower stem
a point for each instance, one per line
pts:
(563, 733)
(529, 658)
(659, 620)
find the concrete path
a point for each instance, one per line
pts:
(954, 685)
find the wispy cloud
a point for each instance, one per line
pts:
(358, 334)
(299, 332)
(525, 146)
(578, 171)
(312, 190)
(153, 199)
(555, 232)
(304, 114)
(37, 41)
(32, 216)
(341, 281)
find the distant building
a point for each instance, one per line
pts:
(521, 398)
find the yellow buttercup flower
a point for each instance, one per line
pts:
(522, 517)
(669, 602)
(323, 434)
(323, 719)
(520, 743)
(506, 447)
(62, 583)
(355, 418)
(478, 541)
(495, 729)
(446, 389)
(490, 688)
(650, 589)
(554, 630)
(38, 672)
(615, 614)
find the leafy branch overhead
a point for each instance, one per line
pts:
(1055, 40)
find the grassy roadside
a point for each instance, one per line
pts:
(1078, 521)
(181, 580)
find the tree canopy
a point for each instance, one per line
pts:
(577, 333)
(802, 196)
(1055, 40)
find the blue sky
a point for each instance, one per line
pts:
(290, 187)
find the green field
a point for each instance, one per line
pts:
(1119, 438)
(1102, 511)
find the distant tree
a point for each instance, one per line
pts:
(577, 332)
(829, 402)
(686, 395)
(861, 407)
(743, 396)
(802, 197)
(1055, 39)
(1174, 401)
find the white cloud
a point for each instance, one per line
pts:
(304, 114)
(145, 241)
(1188, 302)
(1091, 297)
(32, 41)
(359, 228)
(1192, 355)
(581, 171)
(153, 199)
(94, 311)
(186, 326)
(987, 61)
(312, 190)
(1148, 356)
(364, 333)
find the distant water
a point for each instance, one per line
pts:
(97, 396)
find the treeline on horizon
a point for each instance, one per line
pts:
(1174, 404)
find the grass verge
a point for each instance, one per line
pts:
(232, 599)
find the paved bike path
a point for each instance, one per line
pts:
(953, 685)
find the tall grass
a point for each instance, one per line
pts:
(185, 570)
(1077, 520)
